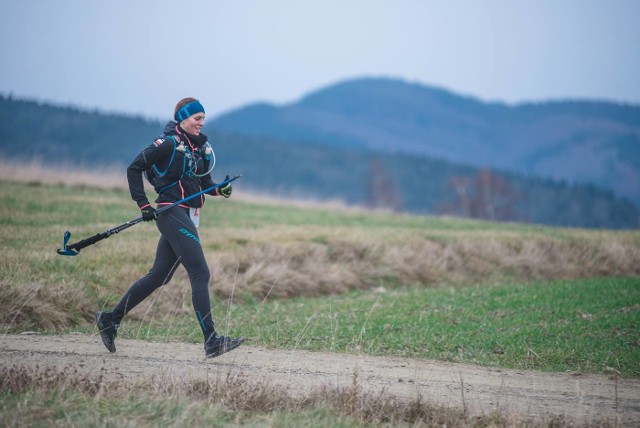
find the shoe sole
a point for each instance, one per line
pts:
(230, 347)
(111, 347)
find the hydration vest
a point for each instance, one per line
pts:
(183, 162)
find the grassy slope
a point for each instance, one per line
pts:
(339, 280)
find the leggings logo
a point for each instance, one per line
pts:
(188, 234)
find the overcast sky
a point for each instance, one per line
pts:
(142, 56)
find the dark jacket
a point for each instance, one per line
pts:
(176, 164)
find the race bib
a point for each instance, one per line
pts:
(194, 213)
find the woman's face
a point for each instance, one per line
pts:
(193, 124)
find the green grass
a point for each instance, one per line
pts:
(588, 326)
(502, 295)
(499, 295)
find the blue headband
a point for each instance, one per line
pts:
(187, 110)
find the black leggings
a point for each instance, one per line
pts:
(179, 244)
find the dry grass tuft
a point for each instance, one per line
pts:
(109, 177)
(339, 264)
(39, 307)
(20, 379)
(242, 395)
(233, 393)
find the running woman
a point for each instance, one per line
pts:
(178, 165)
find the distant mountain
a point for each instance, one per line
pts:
(67, 137)
(575, 141)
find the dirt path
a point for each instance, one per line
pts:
(527, 395)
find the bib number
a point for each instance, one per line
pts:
(194, 213)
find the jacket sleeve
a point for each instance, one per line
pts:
(207, 182)
(153, 154)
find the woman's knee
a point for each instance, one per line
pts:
(202, 274)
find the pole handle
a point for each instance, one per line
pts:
(89, 241)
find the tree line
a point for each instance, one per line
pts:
(402, 183)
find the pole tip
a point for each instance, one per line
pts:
(66, 251)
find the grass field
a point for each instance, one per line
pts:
(337, 280)
(342, 280)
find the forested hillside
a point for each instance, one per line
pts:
(66, 135)
(588, 142)
(69, 137)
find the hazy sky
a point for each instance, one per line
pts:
(142, 56)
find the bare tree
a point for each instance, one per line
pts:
(382, 193)
(485, 195)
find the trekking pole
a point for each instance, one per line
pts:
(74, 249)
